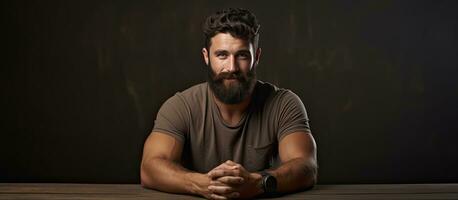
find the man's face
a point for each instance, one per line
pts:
(231, 62)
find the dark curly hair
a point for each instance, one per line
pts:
(239, 22)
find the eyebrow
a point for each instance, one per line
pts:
(220, 51)
(243, 51)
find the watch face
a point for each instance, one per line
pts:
(271, 184)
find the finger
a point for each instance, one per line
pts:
(228, 181)
(217, 172)
(221, 190)
(233, 165)
(212, 171)
(234, 195)
(231, 180)
(214, 174)
(217, 183)
(230, 162)
(217, 197)
(223, 166)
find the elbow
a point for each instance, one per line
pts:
(313, 181)
(150, 174)
(145, 179)
(309, 181)
(312, 178)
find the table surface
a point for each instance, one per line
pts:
(134, 191)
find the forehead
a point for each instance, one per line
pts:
(225, 41)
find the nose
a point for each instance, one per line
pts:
(232, 65)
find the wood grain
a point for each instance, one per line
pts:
(133, 191)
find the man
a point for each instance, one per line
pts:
(233, 136)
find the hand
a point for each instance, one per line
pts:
(232, 180)
(200, 186)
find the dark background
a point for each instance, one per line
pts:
(81, 82)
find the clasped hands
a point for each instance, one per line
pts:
(232, 180)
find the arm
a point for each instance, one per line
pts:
(297, 149)
(160, 168)
(298, 170)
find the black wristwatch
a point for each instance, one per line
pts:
(269, 183)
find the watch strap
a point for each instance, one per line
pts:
(265, 175)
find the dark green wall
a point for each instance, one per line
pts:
(82, 81)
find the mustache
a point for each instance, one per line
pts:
(229, 75)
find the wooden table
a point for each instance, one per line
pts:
(131, 191)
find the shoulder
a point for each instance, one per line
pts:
(185, 99)
(189, 96)
(194, 94)
(175, 114)
(278, 102)
(275, 94)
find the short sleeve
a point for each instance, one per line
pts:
(293, 116)
(172, 118)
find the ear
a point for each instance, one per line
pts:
(205, 55)
(258, 55)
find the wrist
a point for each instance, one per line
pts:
(198, 183)
(257, 179)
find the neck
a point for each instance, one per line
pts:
(232, 113)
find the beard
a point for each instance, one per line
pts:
(236, 91)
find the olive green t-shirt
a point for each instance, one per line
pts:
(193, 118)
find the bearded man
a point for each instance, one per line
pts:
(232, 136)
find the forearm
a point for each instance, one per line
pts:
(296, 174)
(168, 176)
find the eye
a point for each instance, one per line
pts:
(243, 56)
(221, 55)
